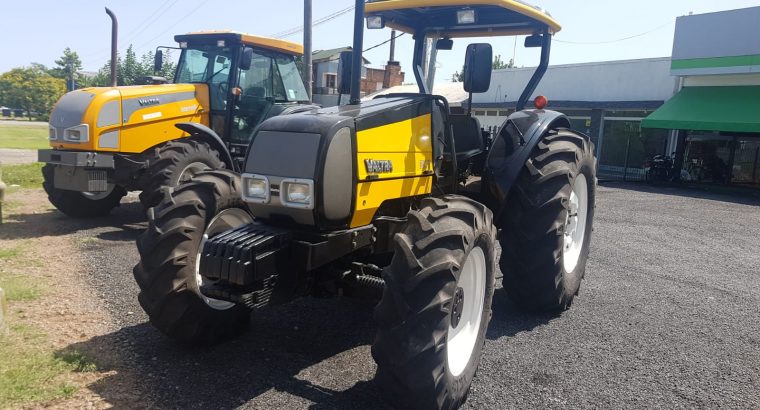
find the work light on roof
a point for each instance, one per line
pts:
(375, 22)
(466, 16)
(220, 43)
(183, 44)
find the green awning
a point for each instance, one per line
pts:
(730, 109)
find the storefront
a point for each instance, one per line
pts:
(716, 113)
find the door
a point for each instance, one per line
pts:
(256, 98)
(746, 169)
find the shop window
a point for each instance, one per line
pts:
(707, 158)
(746, 169)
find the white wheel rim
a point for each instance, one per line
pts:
(575, 224)
(190, 171)
(461, 339)
(97, 196)
(225, 220)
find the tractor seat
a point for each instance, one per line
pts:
(468, 136)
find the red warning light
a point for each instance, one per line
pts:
(541, 102)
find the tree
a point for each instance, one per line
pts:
(32, 89)
(497, 64)
(131, 70)
(67, 67)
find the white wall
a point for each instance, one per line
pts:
(629, 80)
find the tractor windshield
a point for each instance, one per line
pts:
(210, 65)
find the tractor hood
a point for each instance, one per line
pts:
(127, 119)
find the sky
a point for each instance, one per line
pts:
(593, 30)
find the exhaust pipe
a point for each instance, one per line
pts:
(114, 37)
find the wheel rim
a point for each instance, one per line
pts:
(467, 312)
(575, 224)
(225, 220)
(190, 171)
(96, 196)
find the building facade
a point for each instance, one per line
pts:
(605, 100)
(716, 112)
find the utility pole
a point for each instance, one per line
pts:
(307, 69)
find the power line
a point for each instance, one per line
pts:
(383, 43)
(155, 16)
(202, 3)
(615, 41)
(294, 30)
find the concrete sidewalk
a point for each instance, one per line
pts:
(9, 156)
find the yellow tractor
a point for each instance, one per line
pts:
(397, 197)
(109, 140)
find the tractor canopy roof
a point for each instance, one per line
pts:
(236, 37)
(440, 17)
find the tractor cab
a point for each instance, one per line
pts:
(443, 21)
(249, 79)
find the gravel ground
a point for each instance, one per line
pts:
(667, 317)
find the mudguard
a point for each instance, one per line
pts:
(518, 136)
(206, 134)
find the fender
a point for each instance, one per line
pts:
(206, 134)
(517, 138)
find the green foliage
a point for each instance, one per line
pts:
(32, 89)
(24, 175)
(67, 67)
(130, 69)
(24, 136)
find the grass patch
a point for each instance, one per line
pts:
(19, 288)
(23, 137)
(10, 253)
(30, 372)
(23, 175)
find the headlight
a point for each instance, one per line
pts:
(52, 133)
(297, 193)
(80, 133)
(255, 188)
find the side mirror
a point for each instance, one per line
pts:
(444, 44)
(246, 58)
(534, 41)
(344, 72)
(158, 61)
(478, 65)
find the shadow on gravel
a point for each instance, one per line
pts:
(279, 352)
(53, 223)
(718, 193)
(508, 320)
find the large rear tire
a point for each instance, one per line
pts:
(175, 163)
(546, 228)
(167, 273)
(80, 204)
(436, 304)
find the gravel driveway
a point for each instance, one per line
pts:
(667, 317)
(9, 156)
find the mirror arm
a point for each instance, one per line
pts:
(540, 71)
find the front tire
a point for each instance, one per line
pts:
(175, 163)
(80, 204)
(436, 304)
(167, 273)
(548, 221)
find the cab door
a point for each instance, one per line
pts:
(255, 99)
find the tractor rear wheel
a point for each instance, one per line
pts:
(167, 273)
(436, 304)
(175, 163)
(548, 221)
(80, 204)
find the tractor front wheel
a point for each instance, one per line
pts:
(175, 163)
(168, 272)
(548, 221)
(436, 304)
(80, 204)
